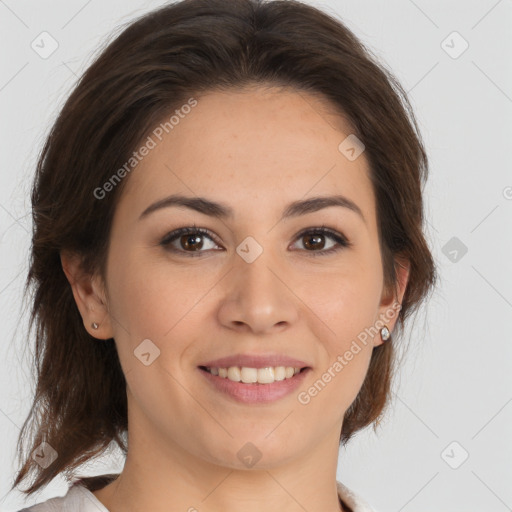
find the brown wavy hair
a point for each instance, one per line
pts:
(149, 69)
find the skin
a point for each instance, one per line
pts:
(256, 150)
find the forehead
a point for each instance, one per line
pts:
(251, 148)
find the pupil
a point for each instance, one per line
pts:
(190, 239)
(317, 238)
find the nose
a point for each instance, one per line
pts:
(258, 298)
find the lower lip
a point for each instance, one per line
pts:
(256, 393)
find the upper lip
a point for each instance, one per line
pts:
(255, 361)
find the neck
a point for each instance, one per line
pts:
(153, 479)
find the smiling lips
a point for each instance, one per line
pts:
(255, 378)
(254, 368)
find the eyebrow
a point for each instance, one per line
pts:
(223, 211)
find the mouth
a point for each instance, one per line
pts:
(255, 376)
(254, 386)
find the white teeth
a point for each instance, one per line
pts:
(279, 373)
(248, 375)
(266, 375)
(234, 373)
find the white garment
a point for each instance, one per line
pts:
(80, 499)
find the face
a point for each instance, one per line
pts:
(260, 280)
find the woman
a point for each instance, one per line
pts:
(227, 243)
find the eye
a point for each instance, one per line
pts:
(187, 238)
(315, 242)
(190, 241)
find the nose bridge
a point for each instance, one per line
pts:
(257, 295)
(257, 281)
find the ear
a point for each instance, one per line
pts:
(391, 300)
(89, 295)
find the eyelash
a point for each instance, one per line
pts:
(322, 230)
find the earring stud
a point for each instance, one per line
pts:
(94, 325)
(384, 333)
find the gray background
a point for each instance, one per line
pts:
(453, 397)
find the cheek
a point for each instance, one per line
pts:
(152, 303)
(344, 330)
(163, 302)
(345, 304)
(150, 295)
(346, 299)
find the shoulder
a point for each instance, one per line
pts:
(76, 499)
(352, 499)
